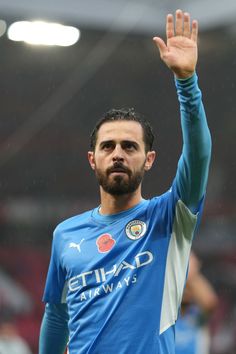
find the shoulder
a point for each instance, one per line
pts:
(73, 222)
(158, 205)
(162, 199)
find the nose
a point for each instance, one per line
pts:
(118, 154)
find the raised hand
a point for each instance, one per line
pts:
(180, 52)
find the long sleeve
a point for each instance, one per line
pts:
(54, 329)
(193, 166)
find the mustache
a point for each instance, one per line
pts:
(118, 167)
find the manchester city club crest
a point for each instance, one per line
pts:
(135, 229)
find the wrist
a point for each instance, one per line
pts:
(184, 83)
(184, 75)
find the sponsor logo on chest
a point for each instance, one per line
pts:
(101, 275)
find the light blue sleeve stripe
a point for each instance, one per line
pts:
(193, 166)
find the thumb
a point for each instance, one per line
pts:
(161, 45)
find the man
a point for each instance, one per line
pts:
(117, 272)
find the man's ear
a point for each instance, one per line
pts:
(91, 159)
(151, 155)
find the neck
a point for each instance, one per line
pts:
(111, 204)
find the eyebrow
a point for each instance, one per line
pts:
(130, 142)
(102, 143)
(106, 142)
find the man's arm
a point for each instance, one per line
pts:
(193, 166)
(54, 329)
(180, 55)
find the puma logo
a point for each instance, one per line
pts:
(76, 245)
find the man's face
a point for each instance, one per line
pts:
(119, 159)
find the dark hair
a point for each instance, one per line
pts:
(124, 114)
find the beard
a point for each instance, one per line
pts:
(119, 184)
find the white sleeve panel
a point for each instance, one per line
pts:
(176, 265)
(64, 293)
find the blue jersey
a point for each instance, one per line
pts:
(122, 276)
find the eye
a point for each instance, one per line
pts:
(108, 145)
(129, 146)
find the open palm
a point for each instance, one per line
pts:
(180, 51)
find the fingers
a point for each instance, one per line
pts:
(178, 23)
(187, 26)
(194, 31)
(182, 26)
(169, 26)
(161, 45)
(179, 26)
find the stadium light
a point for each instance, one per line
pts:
(43, 33)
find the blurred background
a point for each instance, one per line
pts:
(50, 98)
